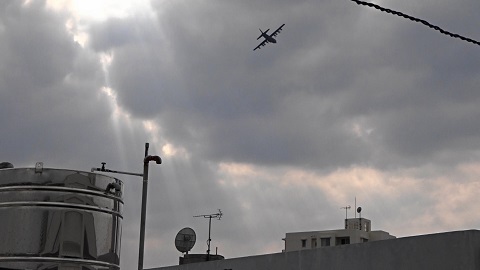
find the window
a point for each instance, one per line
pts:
(304, 243)
(325, 242)
(342, 241)
(363, 240)
(314, 243)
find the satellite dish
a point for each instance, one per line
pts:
(185, 240)
(359, 209)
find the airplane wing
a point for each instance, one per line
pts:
(277, 31)
(261, 44)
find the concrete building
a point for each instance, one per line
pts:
(443, 251)
(357, 230)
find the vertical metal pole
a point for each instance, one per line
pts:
(209, 239)
(144, 210)
(360, 220)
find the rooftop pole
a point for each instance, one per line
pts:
(141, 246)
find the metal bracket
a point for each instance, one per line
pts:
(39, 167)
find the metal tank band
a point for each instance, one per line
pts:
(59, 219)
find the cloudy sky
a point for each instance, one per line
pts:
(351, 102)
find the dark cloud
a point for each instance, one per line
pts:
(48, 84)
(205, 84)
(205, 78)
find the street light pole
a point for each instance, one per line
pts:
(146, 160)
(141, 246)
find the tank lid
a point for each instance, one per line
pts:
(6, 165)
(60, 178)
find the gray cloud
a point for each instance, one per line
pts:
(349, 102)
(239, 104)
(47, 85)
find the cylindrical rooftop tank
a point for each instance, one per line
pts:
(59, 219)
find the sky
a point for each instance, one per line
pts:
(350, 103)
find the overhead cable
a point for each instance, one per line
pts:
(400, 14)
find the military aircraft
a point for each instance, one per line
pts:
(268, 38)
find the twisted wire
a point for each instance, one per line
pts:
(400, 14)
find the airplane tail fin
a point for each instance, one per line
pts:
(263, 33)
(260, 34)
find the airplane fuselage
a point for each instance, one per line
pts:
(269, 38)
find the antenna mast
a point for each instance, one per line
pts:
(346, 209)
(210, 216)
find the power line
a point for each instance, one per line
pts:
(400, 14)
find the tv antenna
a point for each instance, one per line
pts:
(346, 210)
(210, 216)
(185, 240)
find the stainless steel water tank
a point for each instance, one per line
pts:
(59, 219)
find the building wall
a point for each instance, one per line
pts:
(295, 241)
(361, 224)
(357, 230)
(443, 251)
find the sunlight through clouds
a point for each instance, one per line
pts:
(92, 10)
(84, 12)
(169, 150)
